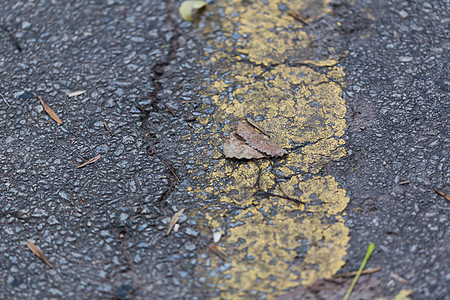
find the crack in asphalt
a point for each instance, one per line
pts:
(159, 69)
(12, 37)
(158, 72)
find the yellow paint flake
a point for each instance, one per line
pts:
(283, 223)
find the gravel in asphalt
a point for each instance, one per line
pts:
(146, 72)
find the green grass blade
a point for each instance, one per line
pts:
(361, 268)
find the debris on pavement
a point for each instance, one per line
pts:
(442, 194)
(38, 253)
(92, 160)
(50, 111)
(107, 128)
(217, 235)
(403, 295)
(253, 123)
(217, 252)
(171, 170)
(369, 288)
(297, 17)
(191, 10)
(4, 100)
(249, 142)
(259, 141)
(351, 274)
(399, 279)
(234, 147)
(73, 94)
(174, 220)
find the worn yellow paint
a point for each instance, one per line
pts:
(283, 222)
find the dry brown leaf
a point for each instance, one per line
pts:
(399, 279)
(92, 160)
(259, 141)
(235, 147)
(442, 194)
(73, 94)
(174, 220)
(38, 253)
(50, 112)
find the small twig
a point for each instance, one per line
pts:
(174, 220)
(49, 111)
(5, 101)
(217, 252)
(442, 194)
(404, 182)
(171, 170)
(351, 274)
(188, 101)
(73, 94)
(268, 194)
(297, 16)
(180, 86)
(170, 109)
(253, 123)
(38, 253)
(399, 279)
(92, 160)
(107, 127)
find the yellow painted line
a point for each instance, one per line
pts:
(273, 243)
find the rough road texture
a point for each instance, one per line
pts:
(398, 141)
(102, 226)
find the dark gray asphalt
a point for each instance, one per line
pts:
(102, 226)
(398, 141)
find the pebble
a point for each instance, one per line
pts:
(192, 232)
(217, 235)
(52, 220)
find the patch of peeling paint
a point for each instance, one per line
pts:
(283, 223)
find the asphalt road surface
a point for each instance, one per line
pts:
(356, 93)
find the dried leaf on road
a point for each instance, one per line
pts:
(259, 141)
(38, 253)
(191, 10)
(235, 147)
(92, 160)
(73, 94)
(174, 220)
(50, 111)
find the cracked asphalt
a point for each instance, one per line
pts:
(373, 147)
